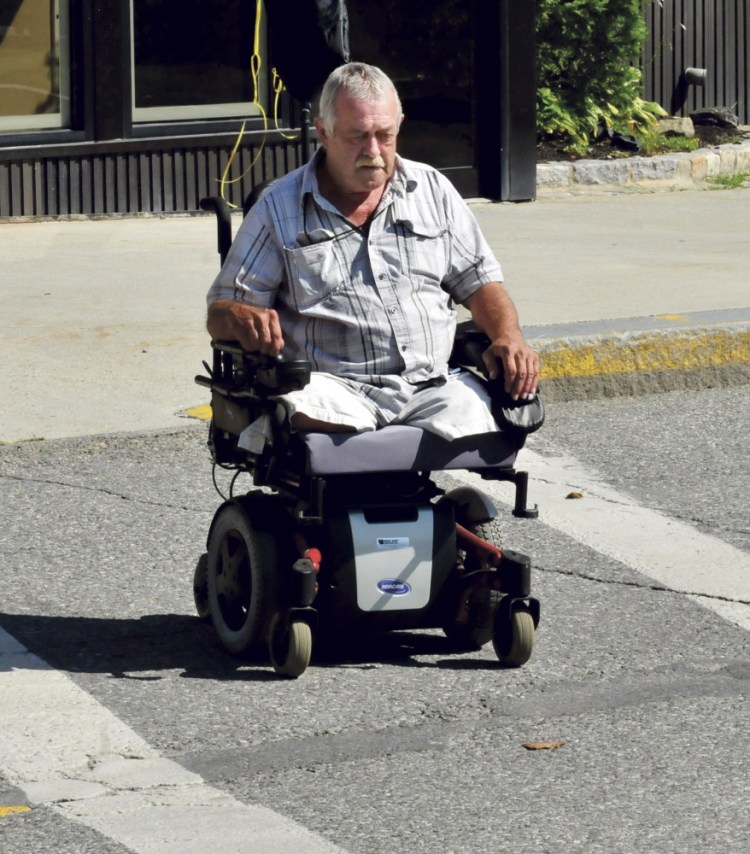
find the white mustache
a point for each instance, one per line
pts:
(375, 161)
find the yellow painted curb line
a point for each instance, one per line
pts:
(647, 352)
(202, 412)
(5, 811)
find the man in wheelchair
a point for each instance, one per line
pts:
(348, 270)
(353, 262)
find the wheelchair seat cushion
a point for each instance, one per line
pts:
(404, 448)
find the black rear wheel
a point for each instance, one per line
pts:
(246, 560)
(200, 588)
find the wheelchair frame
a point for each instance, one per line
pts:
(284, 560)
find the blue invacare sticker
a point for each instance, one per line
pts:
(393, 587)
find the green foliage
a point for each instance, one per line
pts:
(658, 143)
(587, 74)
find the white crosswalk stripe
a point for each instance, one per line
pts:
(65, 750)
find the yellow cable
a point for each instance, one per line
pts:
(278, 88)
(256, 63)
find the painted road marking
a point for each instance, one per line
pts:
(668, 350)
(713, 573)
(65, 750)
(202, 412)
(5, 811)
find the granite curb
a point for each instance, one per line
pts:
(680, 170)
(644, 355)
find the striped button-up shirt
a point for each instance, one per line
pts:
(361, 303)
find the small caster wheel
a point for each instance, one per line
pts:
(291, 649)
(513, 636)
(200, 588)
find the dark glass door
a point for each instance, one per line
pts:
(425, 46)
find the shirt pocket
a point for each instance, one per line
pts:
(313, 273)
(425, 257)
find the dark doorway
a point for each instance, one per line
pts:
(425, 46)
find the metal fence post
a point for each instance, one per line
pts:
(505, 69)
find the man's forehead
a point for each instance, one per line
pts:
(355, 112)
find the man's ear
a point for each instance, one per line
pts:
(322, 133)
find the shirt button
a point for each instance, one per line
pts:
(382, 276)
(392, 310)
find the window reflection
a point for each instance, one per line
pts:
(192, 59)
(33, 64)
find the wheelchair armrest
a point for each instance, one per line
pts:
(468, 347)
(515, 416)
(237, 373)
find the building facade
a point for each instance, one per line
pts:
(135, 106)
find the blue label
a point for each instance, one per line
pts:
(393, 587)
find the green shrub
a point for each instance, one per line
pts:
(587, 77)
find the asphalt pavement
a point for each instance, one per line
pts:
(624, 287)
(127, 729)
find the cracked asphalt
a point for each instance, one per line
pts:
(400, 743)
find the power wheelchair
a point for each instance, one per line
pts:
(348, 532)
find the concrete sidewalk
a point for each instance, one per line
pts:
(622, 291)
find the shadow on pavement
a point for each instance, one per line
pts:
(139, 648)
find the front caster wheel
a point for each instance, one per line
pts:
(513, 637)
(200, 588)
(290, 648)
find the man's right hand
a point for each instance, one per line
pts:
(256, 329)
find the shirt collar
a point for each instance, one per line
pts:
(403, 182)
(309, 185)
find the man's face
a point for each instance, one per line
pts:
(361, 151)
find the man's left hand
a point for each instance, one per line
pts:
(521, 366)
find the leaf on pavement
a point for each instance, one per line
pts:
(544, 745)
(574, 495)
